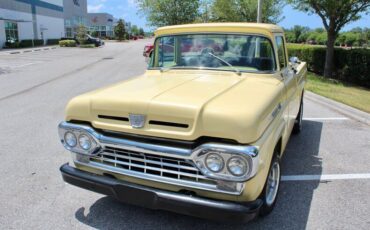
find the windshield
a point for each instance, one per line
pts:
(231, 52)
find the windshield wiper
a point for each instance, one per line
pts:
(232, 67)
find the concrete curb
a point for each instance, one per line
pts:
(341, 108)
(35, 49)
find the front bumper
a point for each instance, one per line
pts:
(160, 199)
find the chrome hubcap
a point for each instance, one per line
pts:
(273, 183)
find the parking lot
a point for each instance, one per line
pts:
(326, 169)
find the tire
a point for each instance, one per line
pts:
(269, 194)
(298, 121)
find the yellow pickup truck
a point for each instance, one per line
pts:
(201, 133)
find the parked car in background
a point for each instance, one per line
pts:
(90, 40)
(201, 133)
(148, 50)
(96, 41)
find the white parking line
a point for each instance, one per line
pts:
(23, 65)
(325, 118)
(325, 177)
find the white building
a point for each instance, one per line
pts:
(50, 19)
(31, 19)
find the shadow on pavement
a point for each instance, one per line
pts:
(291, 210)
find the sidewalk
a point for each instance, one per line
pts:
(339, 107)
(26, 50)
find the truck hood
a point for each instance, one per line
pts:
(183, 106)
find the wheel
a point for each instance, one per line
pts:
(298, 121)
(271, 189)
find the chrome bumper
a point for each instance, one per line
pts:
(160, 199)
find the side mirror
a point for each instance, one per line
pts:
(294, 61)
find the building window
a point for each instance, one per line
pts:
(68, 32)
(67, 22)
(11, 31)
(76, 2)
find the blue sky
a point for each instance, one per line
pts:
(294, 17)
(127, 10)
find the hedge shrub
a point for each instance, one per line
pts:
(28, 43)
(52, 41)
(352, 65)
(11, 45)
(87, 46)
(67, 43)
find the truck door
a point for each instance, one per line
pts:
(289, 81)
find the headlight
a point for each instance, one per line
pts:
(237, 163)
(79, 139)
(214, 162)
(84, 142)
(237, 166)
(70, 139)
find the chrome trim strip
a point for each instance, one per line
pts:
(182, 183)
(276, 111)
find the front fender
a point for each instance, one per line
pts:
(267, 143)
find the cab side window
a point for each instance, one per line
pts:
(281, 51)
(166, 50)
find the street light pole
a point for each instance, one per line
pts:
(259, 20)
(259, 12)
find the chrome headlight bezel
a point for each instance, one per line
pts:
(248, 154)
(78, 132)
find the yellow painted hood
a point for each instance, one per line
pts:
(184, 105)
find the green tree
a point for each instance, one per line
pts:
(120, 30)
(141, 32)
(289, 36)
(94, 33)
(341, 40)
(134, 30)
(335, 14)
(169, 12)
(322, 38)
(246, 10)
(81, 34)
(300, 33)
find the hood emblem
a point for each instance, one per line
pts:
(137, 121)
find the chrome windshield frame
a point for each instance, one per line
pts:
(219, 33)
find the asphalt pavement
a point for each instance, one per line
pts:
(326, 169)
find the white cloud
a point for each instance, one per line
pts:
(94, 8)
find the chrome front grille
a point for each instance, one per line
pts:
(147, 161)
(159, 168)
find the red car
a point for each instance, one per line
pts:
(148, 50)
(186, 46)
